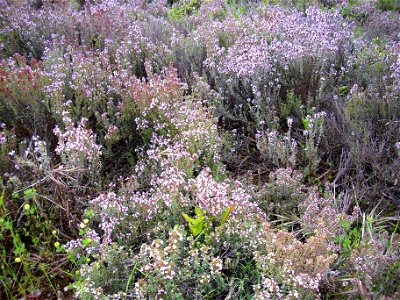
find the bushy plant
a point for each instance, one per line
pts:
(199, 149)
(283, 193)
(25, 104)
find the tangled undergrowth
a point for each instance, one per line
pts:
(199, 149)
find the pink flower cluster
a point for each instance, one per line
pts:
(215, 197)
(275, 37)
(77, 145)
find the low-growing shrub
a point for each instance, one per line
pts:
(199, 150)
(25, 105)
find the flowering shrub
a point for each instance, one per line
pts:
(282, 150)
(23, 96)
(283, 193)
(77, 146)
(199, 150)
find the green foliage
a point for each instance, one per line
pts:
(198, 225)
(28, 248)
(293, 106)
(393, 5)
(349, 240)
(350, 11)
(370, 242)
(180, 10)
(203, 224)
(343, 90)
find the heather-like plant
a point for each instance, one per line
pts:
(286, 272)
(128, 127)
(369, 265)
(163, 267)
(325, 215)
(282, 52)
(313, 132)
(282, 150)
(382, 25)
(282, 194)
(171, 133)
(28, 29)
(180, 263)
(25, 103)
(77, 147)
(369, 114)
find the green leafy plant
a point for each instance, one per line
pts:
(202, 224)
(348, 240)
(199, 224)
